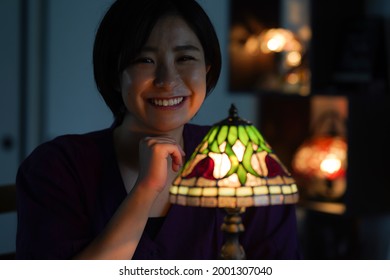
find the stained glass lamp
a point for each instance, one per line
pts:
(320, 166)
(323, 156)
(233, 168)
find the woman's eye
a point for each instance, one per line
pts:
(143, 60)
(186, 58)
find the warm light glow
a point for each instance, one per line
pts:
(222, 147)
(258, 163)
(195, 191)
(252, 45)
(239, 150)
(331, 164)
(227, 191)
(322, 157)
(210, 191)
(276, 39)
(183, 190)
(305, 33)
(276, 43)
(275, 190)
(293, 45)
(293, 58)
(262, 190)
(292, 78)
(244, 191)
(222, 164)
(231, 181)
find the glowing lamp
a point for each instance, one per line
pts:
(322, 157)
(233, 168)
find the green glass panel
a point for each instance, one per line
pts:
(234, 165)
(257, 132)
(228, 150)
(214, 147)
(264, 147)
(232, 136)
(262, 144)
(243, 135)
(213, 133)
(223, 132)
(246, 160)
(241, 173)
(252, 134)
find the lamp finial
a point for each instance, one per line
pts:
(233, 112)
(233, 118)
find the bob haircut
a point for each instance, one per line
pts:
(124, 30)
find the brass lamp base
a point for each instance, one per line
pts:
(232, 227)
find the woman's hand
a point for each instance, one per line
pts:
(156, 156)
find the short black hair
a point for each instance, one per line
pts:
(124, 30)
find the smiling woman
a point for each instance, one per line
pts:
(103, 194)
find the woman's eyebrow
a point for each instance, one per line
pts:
(188, 47)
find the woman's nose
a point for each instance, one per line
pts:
(165, 76)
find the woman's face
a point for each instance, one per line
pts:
(165, 85)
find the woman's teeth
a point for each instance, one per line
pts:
(167, 102)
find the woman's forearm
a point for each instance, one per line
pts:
(121, 236)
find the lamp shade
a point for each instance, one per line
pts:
(232, 167)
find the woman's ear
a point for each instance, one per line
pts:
(208, 68)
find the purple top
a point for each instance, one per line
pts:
(69, 188)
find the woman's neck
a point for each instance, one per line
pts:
(126, 142)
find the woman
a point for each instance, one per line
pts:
(104, 195)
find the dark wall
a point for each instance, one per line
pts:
(347, 52)
(369, 155)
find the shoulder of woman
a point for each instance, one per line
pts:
(67, 148)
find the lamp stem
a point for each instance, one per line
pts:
(232, 227)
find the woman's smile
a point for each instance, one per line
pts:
(168, 103)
